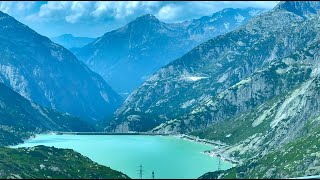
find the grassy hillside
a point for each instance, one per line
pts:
(49, 162)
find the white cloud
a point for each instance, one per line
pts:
(122, 10)
(16, 6)
(112, 14)
(52, 10)
(100, 8)
(168, 12)
(76, 11)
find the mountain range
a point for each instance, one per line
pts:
(213, 68)
(127, 56)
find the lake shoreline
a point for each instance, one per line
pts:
(211, 153)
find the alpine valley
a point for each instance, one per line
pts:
(244, 81)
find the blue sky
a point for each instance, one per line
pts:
(94, 18)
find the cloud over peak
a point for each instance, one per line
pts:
(112, 14)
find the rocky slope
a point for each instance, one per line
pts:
(50, 75)
(279, 119)
(43, 162)
(20, 119)
(298, 158)
(196, 82)
(278, 139)
(128, 56)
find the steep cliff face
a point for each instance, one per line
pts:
(263, 85)
(187, 83)
(126, 57)
(50, 75)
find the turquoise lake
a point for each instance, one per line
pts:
(168, 157)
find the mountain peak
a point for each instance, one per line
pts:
(147, 21)
(67, 35)
(147, 17)
(301, 8)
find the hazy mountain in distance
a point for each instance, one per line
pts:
(69, 41)
(126, 57)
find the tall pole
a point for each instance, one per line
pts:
(219, 168)
(140, 171)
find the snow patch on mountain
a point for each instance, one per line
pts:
(194, 78)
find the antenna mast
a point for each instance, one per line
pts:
(140, 171)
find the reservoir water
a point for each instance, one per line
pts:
(168, 157)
